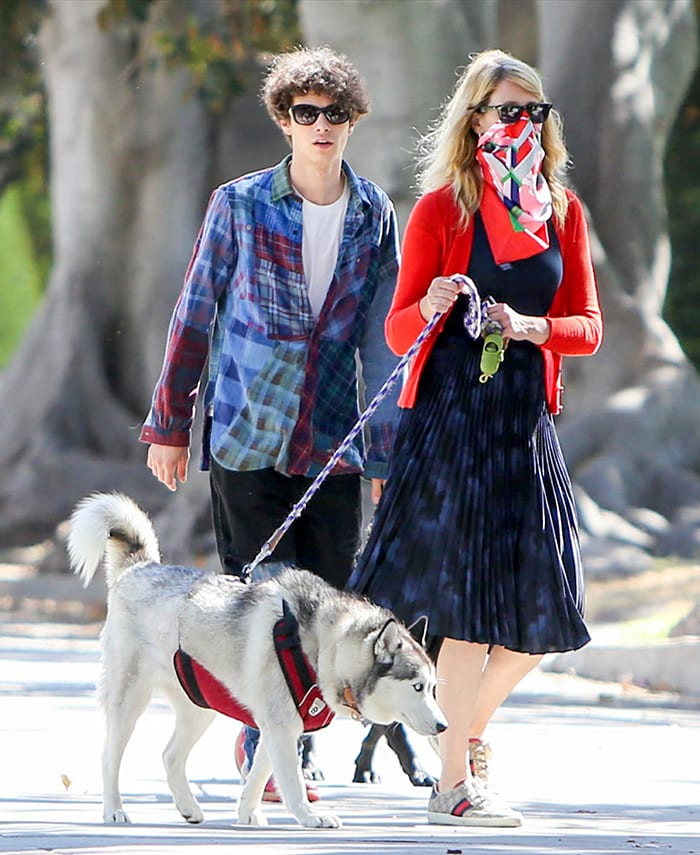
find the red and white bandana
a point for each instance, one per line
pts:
(517, 202)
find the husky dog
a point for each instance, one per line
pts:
(366, 663)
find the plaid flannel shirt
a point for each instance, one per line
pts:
(283, 386)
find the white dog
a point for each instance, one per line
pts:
(365, 662)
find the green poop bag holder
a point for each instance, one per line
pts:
(492, 349)
(491, 356)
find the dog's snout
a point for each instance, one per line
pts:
(440, 727)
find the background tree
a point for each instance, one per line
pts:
(143, 125)
(632, 453)
(618, 71)
(682, 307)
(137, 144)
(25, 232)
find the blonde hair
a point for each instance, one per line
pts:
(447, 153)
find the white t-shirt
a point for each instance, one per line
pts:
(321, 236)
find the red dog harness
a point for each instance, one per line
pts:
(204, 690)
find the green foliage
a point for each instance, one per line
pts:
(22, 275)
(682, 307)
(25, 229)
(19, 20)
(211, 61)
(23, 119)
(22, 106)
(217, 58)
(216, 52)
(115, 11)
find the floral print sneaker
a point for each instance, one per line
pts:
(466, 805)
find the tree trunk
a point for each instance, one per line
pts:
(619, 77)
(134, 157)
(408, 54)
(617, 70)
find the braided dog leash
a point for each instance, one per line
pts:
(476, 322)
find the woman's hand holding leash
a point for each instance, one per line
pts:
(441, 295)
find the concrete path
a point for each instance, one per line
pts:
(594, 768)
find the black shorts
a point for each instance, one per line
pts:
(248, 507)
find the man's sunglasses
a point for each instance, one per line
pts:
(509, 113)
(307, 114)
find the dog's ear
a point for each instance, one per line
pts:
(388, 642)
(419, 629)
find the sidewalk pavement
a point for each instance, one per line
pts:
(595, 768)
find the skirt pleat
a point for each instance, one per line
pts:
(476, 528)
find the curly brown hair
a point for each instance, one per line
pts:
(319, 70)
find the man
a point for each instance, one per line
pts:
(286, 293)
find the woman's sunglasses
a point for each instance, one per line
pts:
(509, 113)
(307, 114)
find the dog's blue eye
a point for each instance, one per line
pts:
(418, 687)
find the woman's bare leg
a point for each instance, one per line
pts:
(504, 670)
(459, 669)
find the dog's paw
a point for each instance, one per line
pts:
(421, 778)
(366, 776)
(252, 817)
(116, 817)
(193, 814)
(320, 820)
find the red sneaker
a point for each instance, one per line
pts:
(312, 792)
(271, 793)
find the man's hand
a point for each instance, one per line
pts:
(377, 488)
(169, 464)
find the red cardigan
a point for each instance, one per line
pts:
(433, 246)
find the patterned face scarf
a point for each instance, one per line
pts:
(516, 203)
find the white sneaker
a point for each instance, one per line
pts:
(467, 805)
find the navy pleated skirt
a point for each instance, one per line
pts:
(477, 529)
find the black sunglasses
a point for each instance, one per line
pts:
(307, 114)
(509, 113)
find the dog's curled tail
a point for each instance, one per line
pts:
(109, 527)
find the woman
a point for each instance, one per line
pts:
(477, 527)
